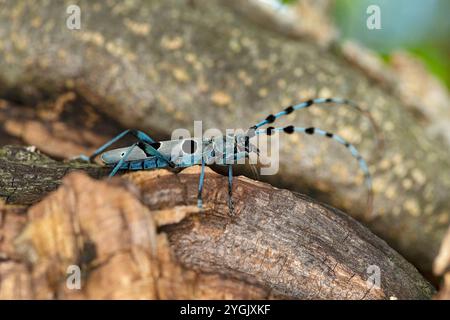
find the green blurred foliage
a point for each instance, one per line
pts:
(417, 26)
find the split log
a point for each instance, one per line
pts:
(142, 236)
(160, 65)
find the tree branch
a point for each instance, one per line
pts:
(141, 236)
(26, 176)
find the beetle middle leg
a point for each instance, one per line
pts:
(230, 189)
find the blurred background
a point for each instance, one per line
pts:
(421, 28)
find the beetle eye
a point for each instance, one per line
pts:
(189, 146)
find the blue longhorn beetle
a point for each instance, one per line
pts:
(147, 154)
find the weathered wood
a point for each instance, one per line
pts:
(146, 238)
(62, 128)
(277, 239)
(160, 65)
(26, 176)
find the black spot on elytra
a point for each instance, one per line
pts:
(155, 145)
(189, 146)
(310, 130)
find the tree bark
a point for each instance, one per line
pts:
(27, 176)
(142, 236)
(160, 65)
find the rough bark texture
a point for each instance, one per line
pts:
(141, 236)
(25, 177)
(309, 20)
(160, 65)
